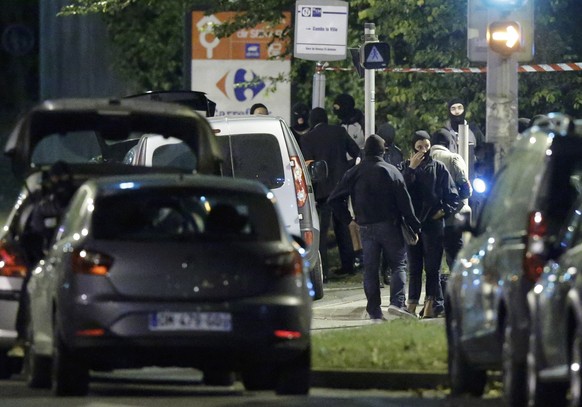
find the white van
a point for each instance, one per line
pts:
(263, 148)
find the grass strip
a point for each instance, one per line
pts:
(396, 345)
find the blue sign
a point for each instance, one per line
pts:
(253, 51)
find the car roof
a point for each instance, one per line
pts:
(159, 180)
(113, 117)
(193, 99)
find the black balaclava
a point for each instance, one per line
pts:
(300, 111)
(346, 106)
(61, 178)
(387, 132)
(419, 135)
(374, 146)
(456, 120)
(443, 137)
(317, 116)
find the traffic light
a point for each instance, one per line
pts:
(504, 37)
(504, 4)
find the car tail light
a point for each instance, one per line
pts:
(90, 262)
(300, 182)
(287, 264)
(285, 334)
(308, 237)
(91, 332)
(11, 261)
(534, 259)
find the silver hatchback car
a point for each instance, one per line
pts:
(171, 270)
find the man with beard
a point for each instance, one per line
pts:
(456, 107)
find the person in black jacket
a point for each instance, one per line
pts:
(299, 120)
(435, 197)
(332, 144)
(380, 200)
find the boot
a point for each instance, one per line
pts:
(428, 310)
(411, 307)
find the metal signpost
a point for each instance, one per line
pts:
(321, 34)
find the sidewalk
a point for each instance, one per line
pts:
(344, 308)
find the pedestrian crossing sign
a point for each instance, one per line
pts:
(374, 55)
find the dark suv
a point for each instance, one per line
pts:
(487, 314)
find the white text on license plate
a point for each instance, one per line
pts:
(190, 321)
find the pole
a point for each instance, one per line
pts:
(370, 85)
(501, 103)
(464, 145)
(318, 94)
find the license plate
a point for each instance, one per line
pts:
(191, 321)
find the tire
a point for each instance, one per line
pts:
(514, 372)
(70, 376)
(37, 369)
(541, 393)
(576, 373)
(464, 378)
(260, 377)
(316, 276)
(5, 365)
(295, 375)
(216, 377)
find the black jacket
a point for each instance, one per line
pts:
(330, 143)
(431, 188)
(378, 194)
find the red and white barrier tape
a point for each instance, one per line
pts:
(565, 67)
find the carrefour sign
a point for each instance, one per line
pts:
(235, 72)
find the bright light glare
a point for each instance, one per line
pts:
(479, 185)
(126, 185)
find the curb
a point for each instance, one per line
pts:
(355, 379)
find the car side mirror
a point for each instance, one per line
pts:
(317, 171)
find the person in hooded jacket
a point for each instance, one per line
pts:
(299, 120)
(392, 153)
(380, 200)
(442, 141)
(352, 119)
(332, 144)
(435, 198)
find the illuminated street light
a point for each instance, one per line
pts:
(504, 37)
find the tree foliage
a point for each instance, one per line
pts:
(149, 38)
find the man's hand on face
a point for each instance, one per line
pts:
(416, 159)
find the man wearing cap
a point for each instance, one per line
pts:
(435, 198)
(380, 200)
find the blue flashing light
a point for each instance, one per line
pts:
(479, 185)
(127, 185)
(504, 4)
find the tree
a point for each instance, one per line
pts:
(422, 34)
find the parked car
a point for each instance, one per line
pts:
(92, 136)
(487, 316)
(171, 270)
(555, 303)
(193, 99)
(262, 148)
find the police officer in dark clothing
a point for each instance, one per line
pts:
(392, 155)
(435, 197)
(332, 144)
(380, 200)
(299, 120)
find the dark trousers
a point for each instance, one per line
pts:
(427, 254)
(378, 239)
(342, 237)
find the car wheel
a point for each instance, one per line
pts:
(316, 275)
(217, 377)
(5, 365)
(576, 371)
(70, 375)
(540, 393)
(464, 378)
(514, 371)
(260, 377)
(295, 375)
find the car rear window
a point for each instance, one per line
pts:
(253, 156)
(162, 214)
